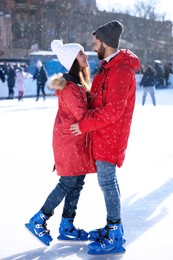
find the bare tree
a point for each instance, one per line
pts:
(147, 9)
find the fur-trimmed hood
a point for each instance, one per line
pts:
(57, 82)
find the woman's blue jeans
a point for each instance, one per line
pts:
(69, 187)
(107, 179)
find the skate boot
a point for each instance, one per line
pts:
(111, 243)
(37, 226)
(98, 234)
(67, 231)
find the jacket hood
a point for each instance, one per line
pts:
(59, 81)
(127, 58)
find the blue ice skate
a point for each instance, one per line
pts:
(67, 231)
(37, 226)
(110, 244)
(98, 234)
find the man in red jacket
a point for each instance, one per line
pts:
(109, 119)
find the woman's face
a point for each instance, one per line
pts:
(82, 59)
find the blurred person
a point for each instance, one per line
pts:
(112, 103)
(11, 79)
(72, 154)
(40, 76)
(21, 75)
(167, 71)
(148, 83)
(2, 75)
(159, 77)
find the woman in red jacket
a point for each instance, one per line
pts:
(72, 155)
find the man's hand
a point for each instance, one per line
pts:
(75, 129)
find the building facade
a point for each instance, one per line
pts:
(30, 23)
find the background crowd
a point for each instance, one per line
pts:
(15, 74)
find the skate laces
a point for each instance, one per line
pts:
(114, 227)
(79, 231)
(106, 236)
(100, 232)
(106, 228)
(42, 225)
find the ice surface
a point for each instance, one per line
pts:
(146, 182)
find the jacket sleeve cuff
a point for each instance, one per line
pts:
(82, 128)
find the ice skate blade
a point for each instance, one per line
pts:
(72, 239)
(119, 251)
(45, 243)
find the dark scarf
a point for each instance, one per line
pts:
(70, 77)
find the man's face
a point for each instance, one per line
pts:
(99, 48)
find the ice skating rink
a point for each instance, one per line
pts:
(146, 183)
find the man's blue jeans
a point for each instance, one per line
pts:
(68, 188)
(107, 179)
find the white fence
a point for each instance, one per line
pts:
(30, 87)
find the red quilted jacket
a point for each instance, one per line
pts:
(112, 103)
(72, 154)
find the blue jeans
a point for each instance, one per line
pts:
(150, 90)
(69, 187)
(107, 179)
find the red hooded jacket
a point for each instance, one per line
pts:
(112, 103)
(72, 154)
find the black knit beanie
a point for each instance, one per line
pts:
(110, 33)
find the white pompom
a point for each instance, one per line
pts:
(56, 45)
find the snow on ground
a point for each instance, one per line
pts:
(146, 182)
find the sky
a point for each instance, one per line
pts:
(163, 6)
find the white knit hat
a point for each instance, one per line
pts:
(66, 53)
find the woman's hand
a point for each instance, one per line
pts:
(74, 128)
